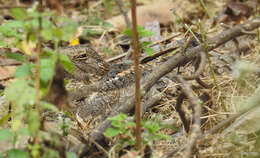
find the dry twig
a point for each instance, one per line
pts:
(196, 117)
(137, 77)
(123, 11)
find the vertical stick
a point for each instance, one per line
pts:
(38, 71)
(137, 77)
(124, 13)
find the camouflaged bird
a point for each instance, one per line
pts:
(103, 82)
(89, 66)
(111, 85)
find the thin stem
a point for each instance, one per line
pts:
(189, 29)
(211, 67)
(205, 8)
(137, 77)
(124, 13)
(38, 70)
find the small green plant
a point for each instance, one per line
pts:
(109, 5)
(95, 22)
(123, 129)
(24, 33)
(141, 34)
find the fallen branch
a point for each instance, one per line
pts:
(187, 90)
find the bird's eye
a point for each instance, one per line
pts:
(82, 56)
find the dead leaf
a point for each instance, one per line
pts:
(27, 47)
(130, 154)
(6, 72)
(159, 11)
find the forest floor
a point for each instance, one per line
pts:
(225, 86)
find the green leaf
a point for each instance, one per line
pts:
(24, 131)
(33, 121)
(47, 69)
(2, 43)
(152, 127)
(142, 32)
(132, 143)
(118, 124)
(111, 132)
(149, 50)
(128, 32)
(68, 29)
(35, 15)
(10, 28)
(47, 23)
(16, 124)
(71, 155)
(48, 53)
(4, 134)
(107, 25)
(5, 118)
(15, 153)
(52, 34)
(19, 13)
(50, 153)
(48, 106)
(34, 150)
(58, 34)
(178, 20)
(120, 117)
(23, 71)
(145, 44)
(47, 34)
(66, 63)
(20, 93)
(13, 24)
(16, 56)
(32, 24)
(130, 124)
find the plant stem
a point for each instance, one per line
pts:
(137, 77)
(211, 68)
(38, 70)
(205, 8)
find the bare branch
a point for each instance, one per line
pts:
(123, 11)
(196, 117)
(137, 77)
